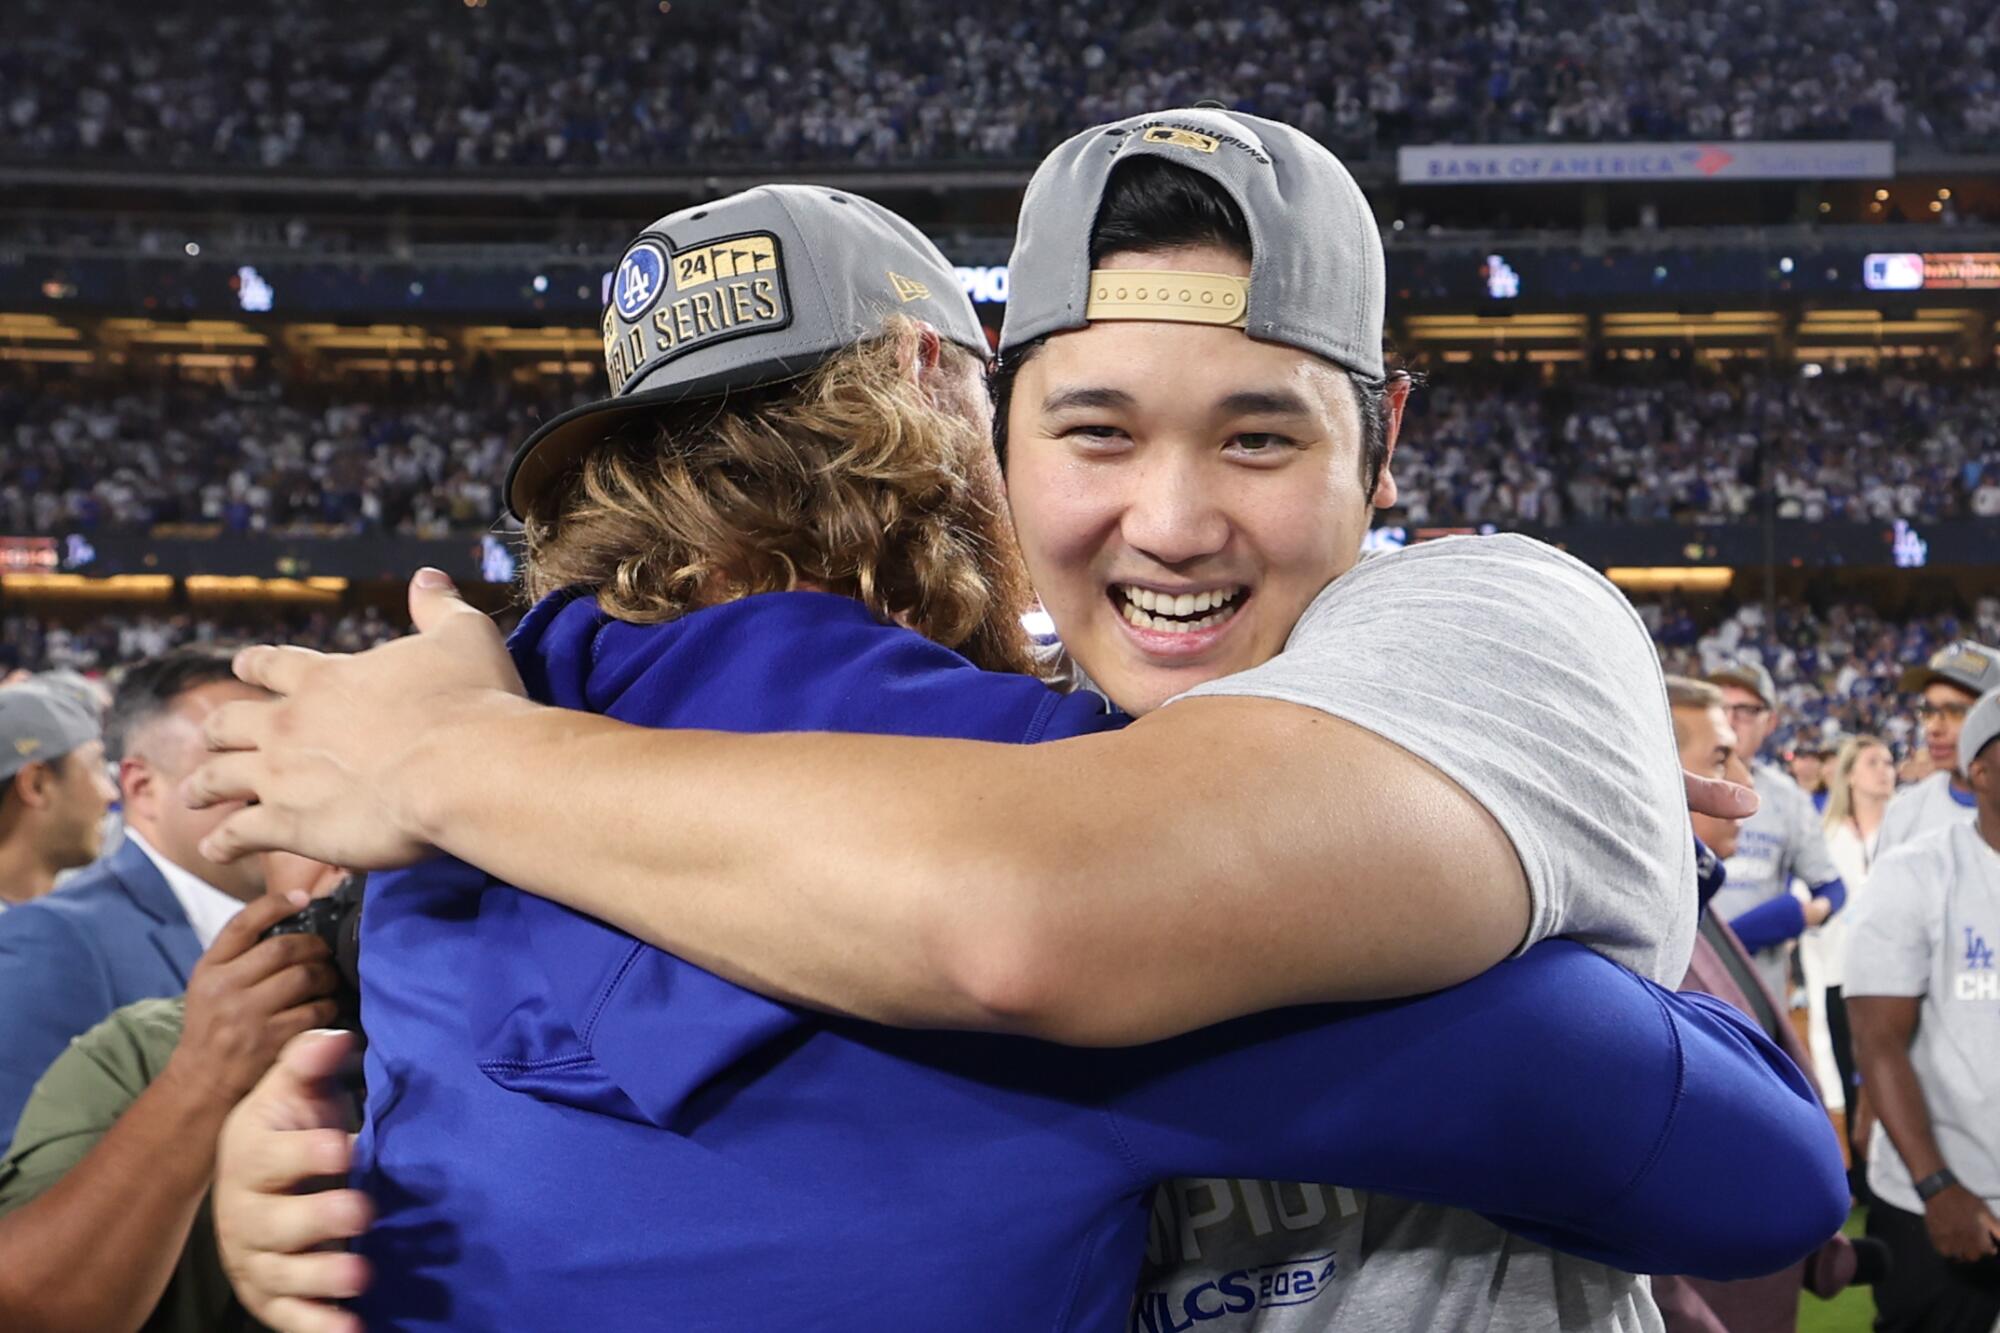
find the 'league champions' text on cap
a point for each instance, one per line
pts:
(1316, 274)
(750, 290)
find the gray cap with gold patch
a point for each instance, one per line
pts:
(38, 724)
(1982, 728)
(754, 289)
(1973, 667)
(1316, 274)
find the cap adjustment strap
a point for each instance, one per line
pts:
(1161, 294)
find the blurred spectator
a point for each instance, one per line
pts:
(114, 637)
(127, 1120)
(575, 85)
(133, 926)
(53, 789)
(1922, 990)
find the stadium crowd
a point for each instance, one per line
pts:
(102, 643)
(575, 85)
(1859, 446)
(1835, 665)
(72, 458)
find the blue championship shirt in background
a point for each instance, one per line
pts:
(567, 1129)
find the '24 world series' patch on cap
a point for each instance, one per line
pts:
(666, 302)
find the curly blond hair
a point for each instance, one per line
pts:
(851, 480)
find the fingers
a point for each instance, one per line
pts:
(293, 987)
(239, 776)
(288, 1314)
(434, 599)
(239, 937)
(311, 1059)
(1719, 799)
(254, 828)
(242, 725)
(279, 670)
(268, 1163)
(274, 955)
(292, 1224)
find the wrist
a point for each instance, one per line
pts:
(428, 787)
(191, 1096)
(1937, 1182)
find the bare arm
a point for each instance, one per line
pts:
(128, 1205)
(1883, 1026)
(1960, 1224)
(1219, 857)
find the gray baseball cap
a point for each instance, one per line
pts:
(1751, 675)
(1982, 728)
(754, 289)
(38, 724)
(1971, 666)
(1316, 276)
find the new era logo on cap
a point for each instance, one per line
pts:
(908, 289)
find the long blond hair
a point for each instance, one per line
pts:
(1839, 783)
(852, 480)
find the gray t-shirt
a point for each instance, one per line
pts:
(1784, 840)
(1928, 927)
(1525, 677)
(1920, 808)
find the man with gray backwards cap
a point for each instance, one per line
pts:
(1783, 841)
(1954, 676)
(1923, 1000)
(56, 790)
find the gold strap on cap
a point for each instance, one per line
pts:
(1177, 298)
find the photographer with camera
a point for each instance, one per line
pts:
(104, 1221)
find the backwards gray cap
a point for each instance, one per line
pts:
(1968, 665)
(1315, 250)
(38, 724)
(754, 289)
(1751, 675)
(1982, 728)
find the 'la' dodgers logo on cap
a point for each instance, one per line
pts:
(640, 278)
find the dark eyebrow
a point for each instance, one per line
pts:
(1264, 402)
(1063, 399)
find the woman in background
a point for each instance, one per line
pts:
(1859, 784)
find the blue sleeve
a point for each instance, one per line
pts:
(1769, 923)
(1835, 893)
(51, 989)
(1589, 1109)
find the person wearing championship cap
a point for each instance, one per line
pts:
(1954, 676)
(53, 790)
(1199, 427)
(1923, 1001)
(1783, 841)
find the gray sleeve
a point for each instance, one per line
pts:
(1527, 679)
(1889, 935)
(1896, 820)
(1811, 861)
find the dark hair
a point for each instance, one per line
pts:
(1151, 205)
(146, 689)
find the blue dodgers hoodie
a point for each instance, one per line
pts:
(567, 1129)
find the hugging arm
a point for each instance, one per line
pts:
(1565, 1097)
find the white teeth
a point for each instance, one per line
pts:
(1184, 604)
(1202, 601)
(1160, 624)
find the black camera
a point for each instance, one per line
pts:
(336, 919)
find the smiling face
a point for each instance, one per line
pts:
(1182, 492)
